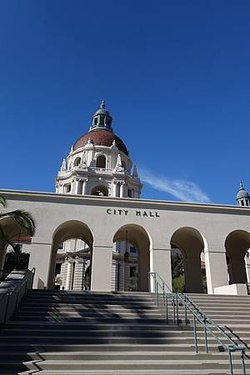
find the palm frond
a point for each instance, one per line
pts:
(3, 201)
(23, 219)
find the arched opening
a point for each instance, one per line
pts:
(130, 259)
(8, 258)
(77, 161)
(190, 245)
(237, 244)
(100, 190)
(71, 257)
(101, 161)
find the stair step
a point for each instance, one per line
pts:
(134, 372)
(134, 364)
(85, 333)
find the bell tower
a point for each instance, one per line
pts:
(243, 198)
(99, 163)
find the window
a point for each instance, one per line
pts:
(67, 188)
(100, 191)
(107, 121)
(101, 161)
(101, 120)
(133, 250)
(77, 161)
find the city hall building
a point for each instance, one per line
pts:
(95, 233)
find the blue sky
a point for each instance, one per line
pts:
(175, 76)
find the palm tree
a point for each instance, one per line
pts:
(26, 226)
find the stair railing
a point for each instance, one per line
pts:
(180, 307)
(12, 290)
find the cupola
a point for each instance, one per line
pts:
(243, 198)
(101, 119)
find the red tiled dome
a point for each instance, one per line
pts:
(101, 137)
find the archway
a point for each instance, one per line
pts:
(237, 244)
(131, 258)
(100, 190)
(72, 248)
(190, 242)
(13, 233)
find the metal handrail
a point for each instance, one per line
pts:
(226, 343)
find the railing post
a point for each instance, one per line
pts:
(243, 362)
(166, 307)
(7, 307)
(156, 291)
(205, 333)
(230, 362)
(177, 309)
(185, 309)
(195, 335)
(174, 312)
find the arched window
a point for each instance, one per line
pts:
(100, 191)
(67, 188)
(77, 161)
(101, 161)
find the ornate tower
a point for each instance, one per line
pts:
(243, 198)
(99, 163)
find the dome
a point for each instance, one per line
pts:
(242, 193)
(101, 137)
(102, 111)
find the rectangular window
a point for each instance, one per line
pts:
(132, 250)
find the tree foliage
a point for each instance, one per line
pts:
(24, 222)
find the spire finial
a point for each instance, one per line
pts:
(102, 105)
(241, 185)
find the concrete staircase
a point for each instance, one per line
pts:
(82, 333)
(230, 311)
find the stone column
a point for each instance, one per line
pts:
(216, 269)
(84, 185)
(75, 186)
(69, 275)
(160, 262)
(122, 190)
(101, 278)
(79, 186)
(64, 268)
(78, 274)
(40, 257)
(60, 188)
(247, 265)
(114, 274)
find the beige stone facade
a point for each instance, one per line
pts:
(153, 227)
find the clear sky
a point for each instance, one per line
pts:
(175, 75)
